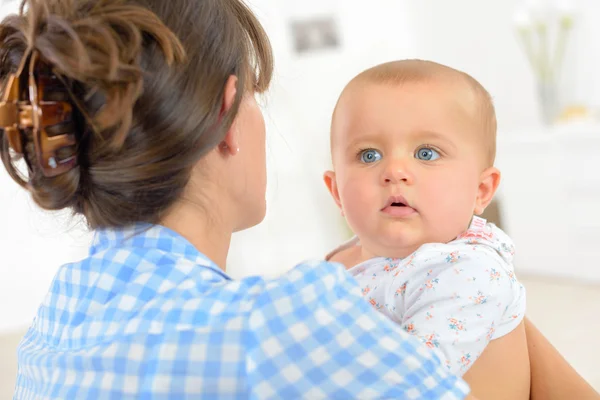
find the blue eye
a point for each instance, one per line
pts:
(369, 156)
(427, 154)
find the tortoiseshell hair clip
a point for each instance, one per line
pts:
(38, 102)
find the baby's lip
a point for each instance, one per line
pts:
(396, 201)
(397, 207)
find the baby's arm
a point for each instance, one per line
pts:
(462, 301)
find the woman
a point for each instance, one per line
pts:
(140, 116)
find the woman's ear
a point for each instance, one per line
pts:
(488, 184)
(230, 143)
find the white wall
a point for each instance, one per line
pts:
(478, 38)
(550, 198)
(33, 244)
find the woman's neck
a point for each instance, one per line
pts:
(209, 234)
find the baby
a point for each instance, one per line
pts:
(413, 148)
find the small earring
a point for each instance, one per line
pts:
(225, 147)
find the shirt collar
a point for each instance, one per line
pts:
(148, 236)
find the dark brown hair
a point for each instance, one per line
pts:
(148, 78)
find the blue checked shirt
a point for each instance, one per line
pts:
(146, 316)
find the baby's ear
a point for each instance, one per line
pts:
(488, 184)
(331, 183)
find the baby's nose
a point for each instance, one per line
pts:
(396, 172)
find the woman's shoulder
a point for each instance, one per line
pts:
(319, 276)
(310, 285)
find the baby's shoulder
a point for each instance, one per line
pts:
(349, 256)
(467, 256)
(348, 253)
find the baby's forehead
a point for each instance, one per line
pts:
(370, 106)
(360, 122)
(430, 85)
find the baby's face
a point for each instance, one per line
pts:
(408, 161)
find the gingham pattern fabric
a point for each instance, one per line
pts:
(146, 316)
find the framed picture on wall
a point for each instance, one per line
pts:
(315, 34)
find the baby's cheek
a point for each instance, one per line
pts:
(448, 195)
(437, 191)
(355, 196)
(358, 202)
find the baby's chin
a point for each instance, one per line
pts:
(390, 246)
(401, 243)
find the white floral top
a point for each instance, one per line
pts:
(455, 297)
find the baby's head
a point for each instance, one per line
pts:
(413, 146)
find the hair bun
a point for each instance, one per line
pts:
(68, 63)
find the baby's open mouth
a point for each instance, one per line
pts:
(395, 201)
(398, 207)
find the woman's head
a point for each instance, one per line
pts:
(163, 97)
